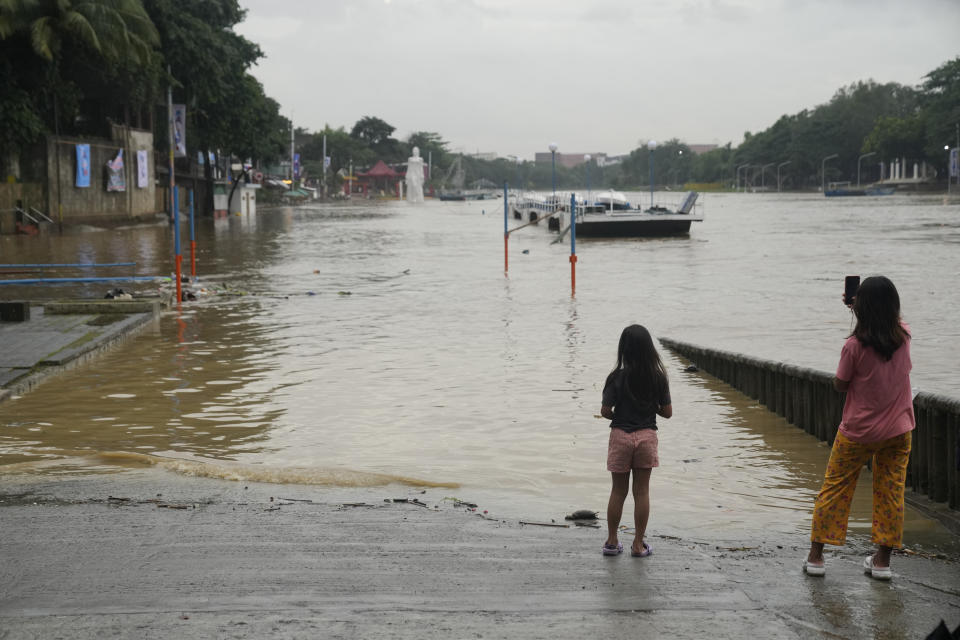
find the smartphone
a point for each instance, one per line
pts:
(850, 286)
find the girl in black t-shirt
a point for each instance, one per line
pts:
(635, 393)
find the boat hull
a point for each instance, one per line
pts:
(634, 226)
(840, 193)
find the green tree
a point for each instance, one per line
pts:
(375, 134)
(114, 28)
(940, 101)
(896, 137)
(430, 144)
(68, 65)
(227, 109)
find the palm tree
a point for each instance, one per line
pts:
(116, 29)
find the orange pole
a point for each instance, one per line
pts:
(506, 264)
(573, 274)
(179, 290)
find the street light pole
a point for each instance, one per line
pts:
(866, 155)
(738, 175)
(782, 164)
(553, 164)
(587, 158)
(651, 146)
(763, 176)
(823, 168)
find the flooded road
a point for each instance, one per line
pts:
(365, 343)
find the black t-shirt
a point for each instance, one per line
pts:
(633, 413)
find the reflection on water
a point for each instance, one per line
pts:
(378, 342)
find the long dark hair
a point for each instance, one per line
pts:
(877, 308)
(643, 371)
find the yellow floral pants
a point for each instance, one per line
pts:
(832, 508)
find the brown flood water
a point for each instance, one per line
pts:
(370, 343)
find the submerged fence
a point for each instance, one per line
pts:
(806, 398)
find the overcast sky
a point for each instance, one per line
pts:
(511, 76)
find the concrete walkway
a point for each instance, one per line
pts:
(61, 334)
(211, 558)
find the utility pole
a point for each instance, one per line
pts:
(292, 185)
(174, 202)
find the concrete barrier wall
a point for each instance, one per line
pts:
(806, 398)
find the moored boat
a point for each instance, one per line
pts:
(609, 215)
(838, 189)
(634, 222)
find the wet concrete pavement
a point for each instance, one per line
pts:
(61, 334)
(213, 558)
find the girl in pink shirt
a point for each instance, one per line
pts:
(874, 371)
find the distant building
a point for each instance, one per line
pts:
(490, 156)
(702, 148)
(571, 160)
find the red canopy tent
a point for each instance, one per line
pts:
(381, 179)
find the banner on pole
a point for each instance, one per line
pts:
(326, 163)
(296, 166)
(116, 179)
(83, 165)
(954, 163)
(180, 130)
(143, 169)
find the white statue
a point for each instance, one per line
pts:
(415, 177)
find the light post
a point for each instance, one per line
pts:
(587, 158)
(738, 175)
(782, 164)
(679, 163)
(866, 155)
(823, 168)
(763, 176)
(652, 145)
(553, 164)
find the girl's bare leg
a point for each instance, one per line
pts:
(641, 506)
(618, 494)
(881, 558)
(816, 553)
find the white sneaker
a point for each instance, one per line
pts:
(877, 573)
(812, 569)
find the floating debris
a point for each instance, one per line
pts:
(546, 524)
(457, 502)
(582, 514)
(408, 501)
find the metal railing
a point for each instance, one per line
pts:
(35, 220)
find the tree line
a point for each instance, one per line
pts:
(891, 121)
(74, 67)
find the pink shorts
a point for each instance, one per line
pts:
(637, 450)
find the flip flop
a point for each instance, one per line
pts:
(647, 550)
(877, 573)
(613, 550)
(812, 569)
